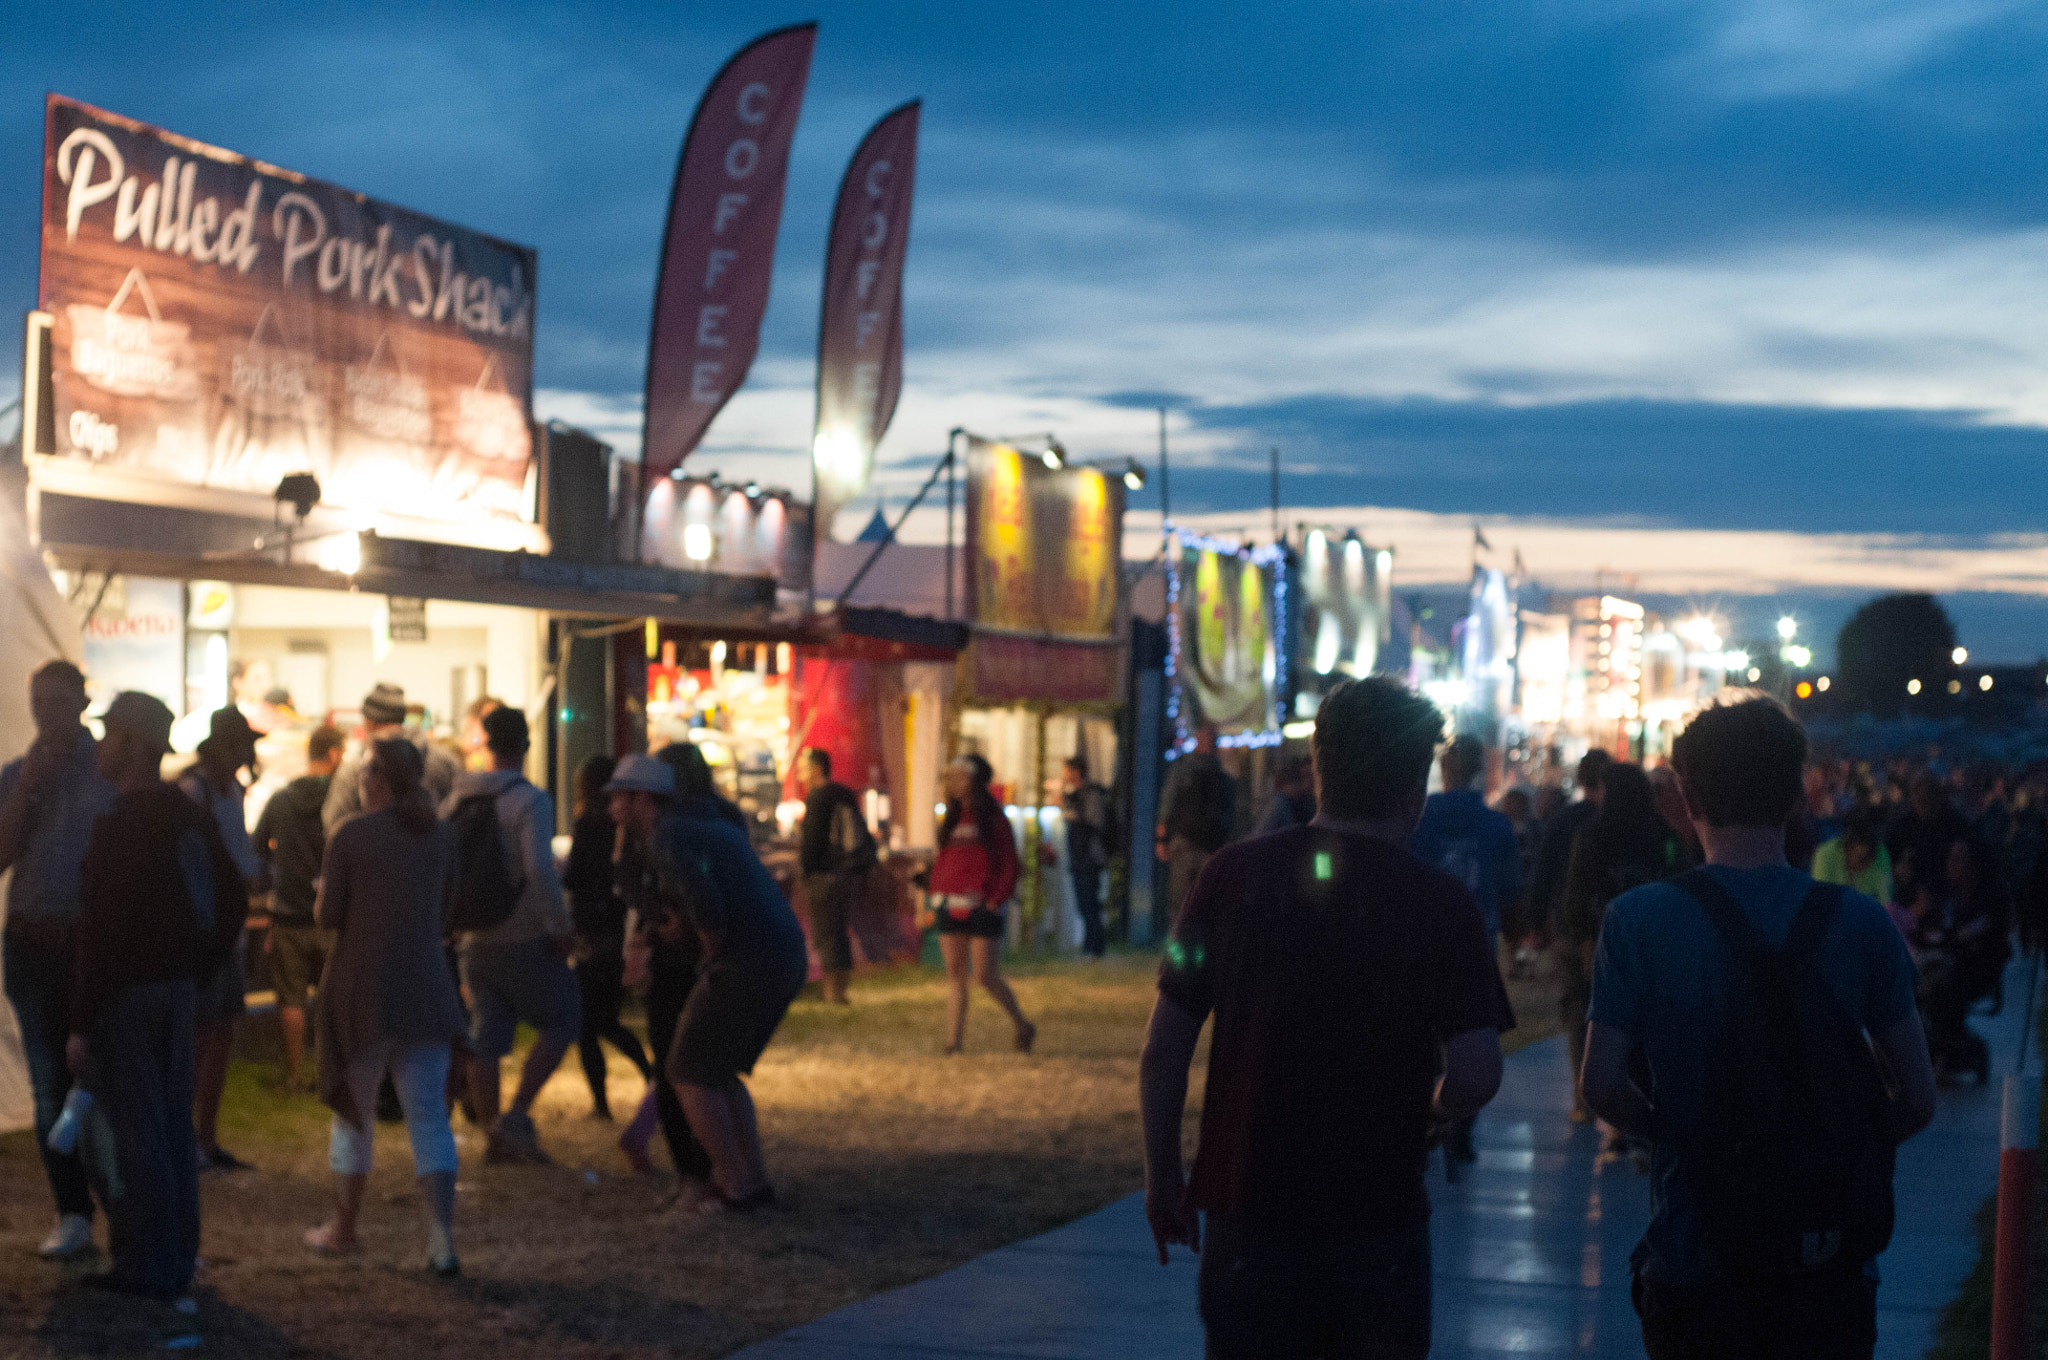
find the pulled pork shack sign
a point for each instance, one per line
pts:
(222, 322)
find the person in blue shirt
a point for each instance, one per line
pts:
(1468, 840)
(754, 963)
(1662, 996)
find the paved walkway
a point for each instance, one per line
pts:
(1531, 1251)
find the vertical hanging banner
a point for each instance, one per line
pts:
(860, 326)
(719, 250)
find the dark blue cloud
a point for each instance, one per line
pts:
(1697, 464)
(1615, 131)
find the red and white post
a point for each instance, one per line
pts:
(2019, 1139)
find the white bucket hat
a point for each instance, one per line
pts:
(642, 774)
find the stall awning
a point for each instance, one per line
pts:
(83, 533)
(930, 639)
(1003, 668)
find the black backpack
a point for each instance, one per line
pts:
(853, 845)
(485, 891)
(1791, 1161)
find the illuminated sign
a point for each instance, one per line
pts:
(224, 323)
(1346, 607)
(1223, 658)
(1045, 543)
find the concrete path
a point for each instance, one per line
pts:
(1531, 1251)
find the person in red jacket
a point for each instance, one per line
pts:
(973, 877)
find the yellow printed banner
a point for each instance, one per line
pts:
(1044, 543)
(1227, 663)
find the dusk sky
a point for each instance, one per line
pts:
(1775, 273)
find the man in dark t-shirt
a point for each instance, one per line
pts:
(1344, 976)
(291, 841)
(160, 905)
(835, 854)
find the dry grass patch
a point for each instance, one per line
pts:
(894, 1162)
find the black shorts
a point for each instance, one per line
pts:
(730, 1016)
(1276, 1294)
(979, 922)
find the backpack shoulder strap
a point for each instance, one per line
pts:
(1816, 914)
(1733, 925)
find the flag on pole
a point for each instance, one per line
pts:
(719, 250)
(860, 323)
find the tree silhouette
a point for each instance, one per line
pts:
(1891, 642)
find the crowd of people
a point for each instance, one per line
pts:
(1952, 850)
(1746, 917)
(1766, 956)
(416, 917)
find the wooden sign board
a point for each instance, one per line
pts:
(222, 322)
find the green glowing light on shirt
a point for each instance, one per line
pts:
(1326, 866)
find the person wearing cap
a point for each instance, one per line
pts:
(215, 783)
(661, 947)
(161, 904)
(384, 716)
(754, 963)
(49, 800)
(518, 970)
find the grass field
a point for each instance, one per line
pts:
(893, 1162)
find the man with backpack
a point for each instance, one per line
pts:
(835, 855)
(1781, 1061)
(291, 841)
(514, 935)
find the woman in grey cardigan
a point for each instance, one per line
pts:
(387, 1002)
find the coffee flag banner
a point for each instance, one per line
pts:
(220, 322)
(860, 327)
(719, 251)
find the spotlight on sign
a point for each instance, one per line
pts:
(1055, 454)
(301, 491)
(837, 454)
(1134, 476)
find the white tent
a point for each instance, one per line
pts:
(36, 625)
